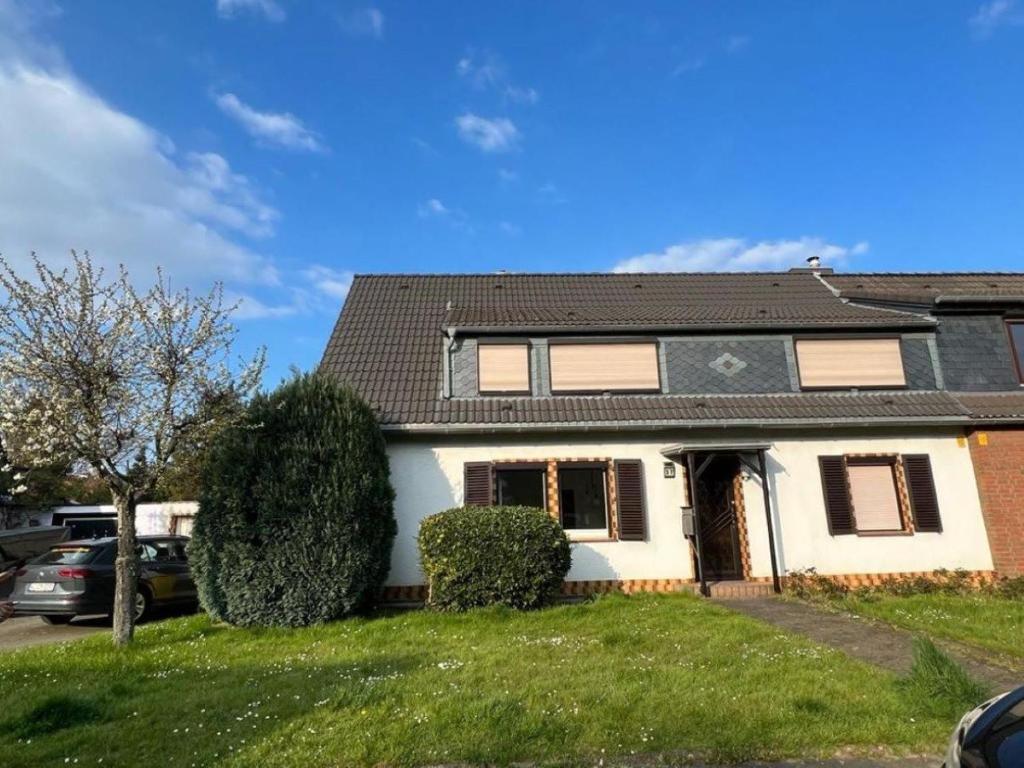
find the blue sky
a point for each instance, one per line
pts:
(280, 146)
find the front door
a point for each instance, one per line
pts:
(717, 521)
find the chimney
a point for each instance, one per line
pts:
(813, 267)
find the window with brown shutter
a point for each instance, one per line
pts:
(477, 488)
(838, 508)
(873, 495)
(842, 363)
(924, 502)
(629, 499)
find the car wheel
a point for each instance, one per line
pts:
(57, 620)
(141, 605)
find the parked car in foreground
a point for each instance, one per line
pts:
(76, 578)
(990, 735)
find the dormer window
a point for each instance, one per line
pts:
(848, 363)
(1016, 329)
(504, 368)
(588, 367)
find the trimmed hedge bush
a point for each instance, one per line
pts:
(476, 556)
(295, 521)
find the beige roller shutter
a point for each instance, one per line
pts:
(504, 368)
(604, 367)
(850, 363)
(873, 491)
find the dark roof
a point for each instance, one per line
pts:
(644, 301)
(800, 407)
(928, 288)
(388, 343)
(993, 406)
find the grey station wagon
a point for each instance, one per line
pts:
(76, 578)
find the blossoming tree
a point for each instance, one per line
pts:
(121, 380)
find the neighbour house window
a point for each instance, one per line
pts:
(862, 494)
(1016, 329)
(181, 525)
(582, 498)
(504, 368)
(848, 363)
(522, 486)
(604, 367)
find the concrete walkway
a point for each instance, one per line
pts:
(867, 640)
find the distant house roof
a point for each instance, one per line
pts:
(388, 345)
(993, 406)
(931, 288)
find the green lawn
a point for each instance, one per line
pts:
(610, 678)
(990, 623)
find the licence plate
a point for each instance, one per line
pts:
(41, 586)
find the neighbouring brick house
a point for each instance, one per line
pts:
(702, 427)
(980, 344)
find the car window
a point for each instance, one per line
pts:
(147, 553)
(66, 556)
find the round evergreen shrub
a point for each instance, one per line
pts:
(475, 556)
(295, 521)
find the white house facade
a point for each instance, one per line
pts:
(687, 431)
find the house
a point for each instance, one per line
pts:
(704, 428)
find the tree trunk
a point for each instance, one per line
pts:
(126, 568)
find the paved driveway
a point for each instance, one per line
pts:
(32, 630)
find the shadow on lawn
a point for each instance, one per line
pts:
(188, 717)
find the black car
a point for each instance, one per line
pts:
(76, 578)
(991, 735)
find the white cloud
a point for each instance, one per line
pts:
(432, 207)
(317, 288)
(248, 307)
(510, 229)
(488, 71)
(330, 282)
(269, 9)
(86, 175)
(995, 14)
(89, 176)
(435, 209)
(282, 129)
(550, 194)
(731, 254)
(364, 22)
(690, 65)
(481, 72)
(518, 95)
(497, 134)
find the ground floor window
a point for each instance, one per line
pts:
(583, 498)
(873, 493)
(521, 486)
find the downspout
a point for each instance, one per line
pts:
(446, 364)
(776, 582)
(691, 472)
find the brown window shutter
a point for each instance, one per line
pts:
(629, 499)
(477, 489)
(924, 503)
(838, 508)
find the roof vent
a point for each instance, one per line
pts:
(814, 262)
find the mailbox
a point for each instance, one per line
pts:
(689, 523)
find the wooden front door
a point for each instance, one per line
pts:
(717, 520)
